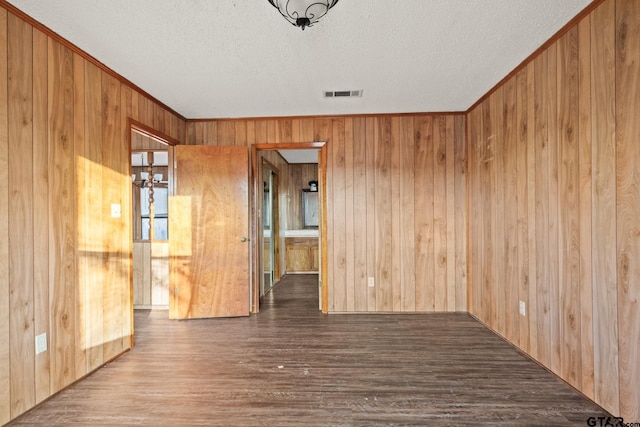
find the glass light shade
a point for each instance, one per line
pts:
(303, 13)
(157, 177)
(144, 176)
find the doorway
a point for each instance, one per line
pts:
(302, 213)
(270, 227)
(151, 155)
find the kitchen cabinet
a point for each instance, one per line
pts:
(301, 255)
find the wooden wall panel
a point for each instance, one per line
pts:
(66, 262)
(509, 179)
(20, 218)
(461, 214)
(383, 216)
(423, 214)
(406, 205)
(395, 235)
(450, 171)
(628, 202)
(5, 311)
(350, 287)
(370, 188)
(40, 210)
(585, 191)
(81, 212)
(360, 196)
(569, 222)
(62, 227)
(497, 164)
(577, 198)
(385, 174)
(440, 212)
(111, 139)
(605, 310)
(542, 190)
(522, 201)
(94, 258)
(337, 215)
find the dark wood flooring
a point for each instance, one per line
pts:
(292, 366)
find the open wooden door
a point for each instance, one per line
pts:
(208, 229)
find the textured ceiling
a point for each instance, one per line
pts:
(240, 58)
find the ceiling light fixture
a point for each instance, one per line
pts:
(303, 13)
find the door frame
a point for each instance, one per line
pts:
(275, 224)
(256, 186)
(134, 125)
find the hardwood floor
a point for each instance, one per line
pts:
(291, 365)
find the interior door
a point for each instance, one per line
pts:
(208, 229)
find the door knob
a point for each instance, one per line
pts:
(243, 239)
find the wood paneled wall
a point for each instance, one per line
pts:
(554, 197)
(299, 177)
(65, 265)
(396, 194)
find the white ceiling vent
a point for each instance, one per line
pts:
(343, 93)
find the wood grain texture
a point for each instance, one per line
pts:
(360, 197)
(522, 202)
(5, 313)
(568, 220)
(20, 218)
(499, 156)
(395, 177)
(116, 274)
(64, 243)
(370, 186)
(509, 179)
(440, 212)
(628, 202)
(542, 186)
(159, 270)
(406, 203)
(605, 310)
(532, 311)
(94, 258)
(82, 230)
(585, 191)
(424, 215)
(350, 288)
(366, 370)
(450, 170)
(461, 214)
(142, 274)
(211, 256)
(383, 216)
(62, 231)
(576, 179)
(395, 236)
(40, 211)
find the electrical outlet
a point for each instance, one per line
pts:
(523, 308)
(41, 343)
(371, 282)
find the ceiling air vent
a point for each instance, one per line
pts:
(343, 93)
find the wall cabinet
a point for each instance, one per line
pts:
(302, 254)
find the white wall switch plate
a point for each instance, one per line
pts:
(523, 308)
(116, 210)
(371, 282)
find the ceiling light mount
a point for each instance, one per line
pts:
(303, 13)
